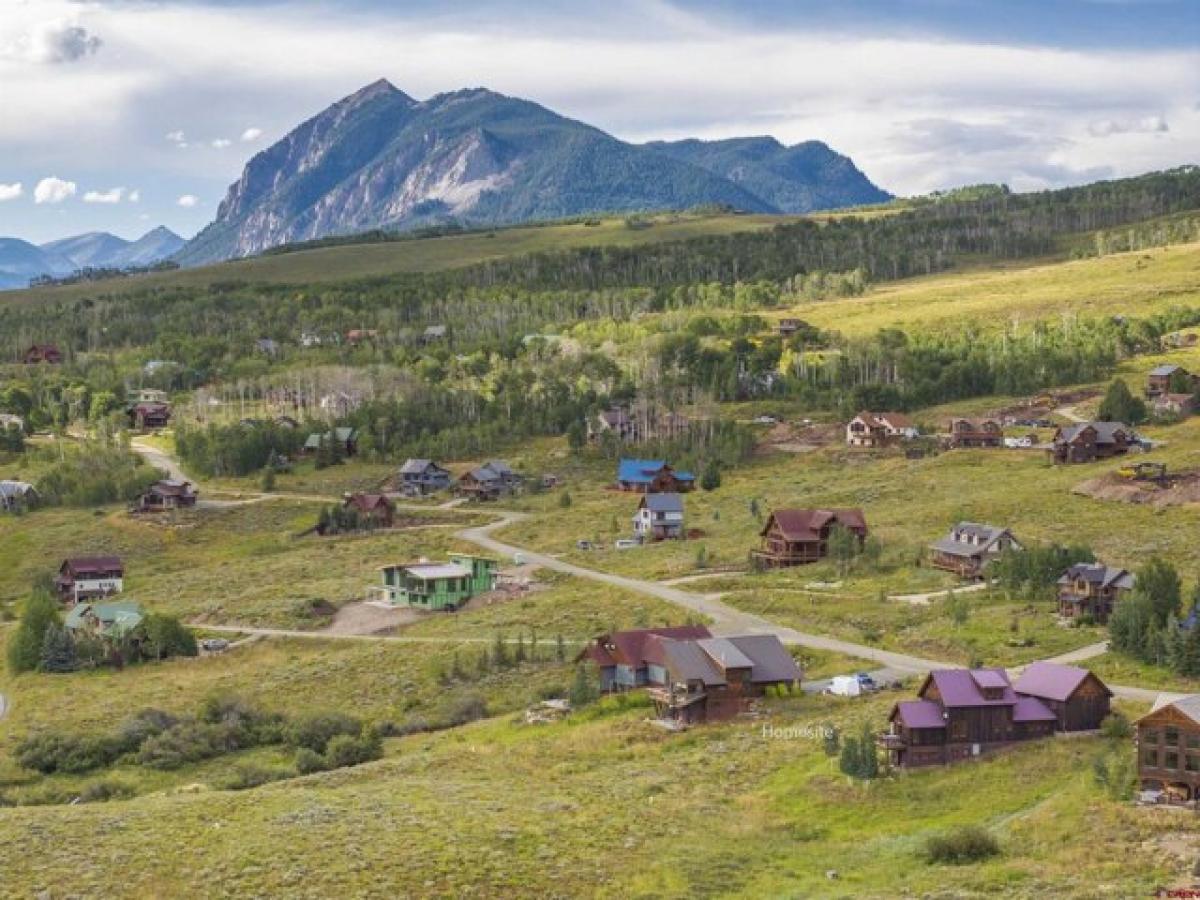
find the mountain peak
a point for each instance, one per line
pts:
(381, 87)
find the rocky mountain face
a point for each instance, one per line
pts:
(380, 159)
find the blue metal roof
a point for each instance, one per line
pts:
(642, 471)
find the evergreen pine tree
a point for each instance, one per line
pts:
(58, 650)
(25, 643)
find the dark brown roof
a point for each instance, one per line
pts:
(806, 524)
(82, 565)
(630, 647)
(368, 502)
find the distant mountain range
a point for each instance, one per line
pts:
(380, 159)
(20, 260)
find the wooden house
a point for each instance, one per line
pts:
(1168, 379)
(489, 481)
(659, 517)
(793, 537)
(375, 509)
(422, 476)
(145, 415)
(970, 548)
(690, 675)
(1168, 749)
(1078, 699)
(621, 660)
(109, 622)
(42, 353)
(966, 433)
(961, 714)
(878, 429)
(1176, 405)
(715, 678)
(1089, 441)
(148, 395)
(89, 577)
(652, 476)
(437, 586)
(356, 336)
(166, 495)
(789, 326)
(616, 422)
(1092, 589)
(17, 496)
(433, 334)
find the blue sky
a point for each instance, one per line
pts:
(123, 114)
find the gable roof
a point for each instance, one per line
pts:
(1052, 681)
(885, 419)
(1166, 370)
(970, 539)
(419, 466)
(83, 564)
(687, 661)
(1098, 574)
(962, 687)
(770, 659)
(642, 471)
(630, 647)
(664, 503)
(115, 618)
(918, 714)
(1031, 709)
(1106, 432)
(368, 502)
(1188, 706)
(806, 524)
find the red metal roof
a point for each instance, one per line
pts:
(82, 565)
(1051, 681)
(1031, 709)
(919, 714)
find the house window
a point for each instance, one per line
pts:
(1172, 735)
(1193, 763)
(1171, 760)
(1150, 756)
(1193, 740)
(1150, 736)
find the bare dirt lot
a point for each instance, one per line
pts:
(1177, 490)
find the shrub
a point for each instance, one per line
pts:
(248, 775)
(26, 644)
(966, 845)
(187, 742)
(314, 730)
(310, 761)
(1116, 726)
(345, 750)
(166, 636)
(105, 790)
(49, 751)
(467, 709)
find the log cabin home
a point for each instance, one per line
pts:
(691, 676)
(375, 510)
(1092, 589)
(1168, 750)
(1168, 379)
(879, 429)
(659, 517)
(1088, 441)
(652, 476)
(42, 353)
(147, 415)
(794, 537)
(89, 577)
(167, 495)
(967, 433)
(970, 548)
(418, 477)
(962, 714)
(1078, 699)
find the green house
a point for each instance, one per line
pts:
(441, 586)
(112, 621)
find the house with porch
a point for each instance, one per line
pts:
(691, 676)
(1089, 441)
(489, 481)
(1168, 749)
(1092, 589)
(436, 586)
(879, 429)
(970, 548)
(962, 714)
(418, 477)
(166, 495)
(659, 517)
(89, 577)
(652, 476)
(1167, 379)
(794, 537)
(968, 433)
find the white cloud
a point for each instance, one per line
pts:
(53, 41)
(1143, 125)
(110, 196)
(177, 138)
(135, 196)
(251, 134)
(53, 190)
(11, 191)
(188, 201)
(222, 143)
